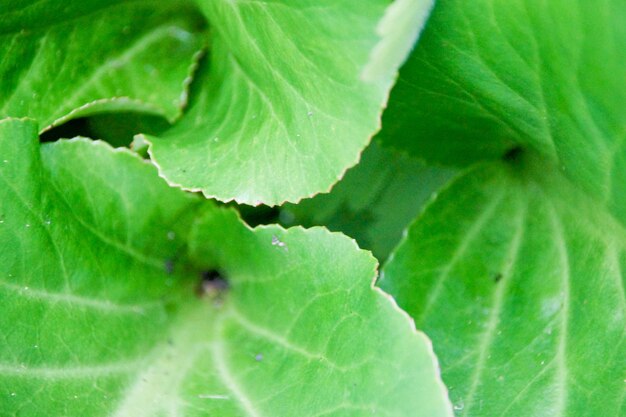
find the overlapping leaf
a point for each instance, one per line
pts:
(516, 271)
(489, 74)
(63, 60)
(518, 278)
(99, 266)
(291, 96)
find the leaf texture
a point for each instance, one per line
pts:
(96, 56)
(284, 106)
(490, 75)
(518, 278)
(106, 307)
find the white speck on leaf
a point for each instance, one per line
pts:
(278, 242)
(171, 235)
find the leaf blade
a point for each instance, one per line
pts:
(284, 97)
(100, 263)
(521, 297)
(490, 76)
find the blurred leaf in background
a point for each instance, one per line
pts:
(375, 201)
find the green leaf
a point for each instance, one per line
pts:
(376, 200)
(518, 278)
(292, 95)
(63, 61)
(488, 75)
(100, 263)
(515, 271)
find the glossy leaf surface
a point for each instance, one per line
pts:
(518, 278)
(113, 302)
(291, 95)
(516, 270)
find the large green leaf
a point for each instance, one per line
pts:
(376, 200)
(63, 60)
(490, 74)
(100, 263)
(518, 279)
(516, 271)
(292, 95)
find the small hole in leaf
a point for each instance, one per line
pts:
(212, 284)
(497, 277)
(513, 154)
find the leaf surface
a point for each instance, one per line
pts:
(95, 56)
(100, 263)
(488, 75)
(516, 270)
(517, 276)
(291, 96)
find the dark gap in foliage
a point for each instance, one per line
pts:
(255, 216)
(71, 129)
(118, 129)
